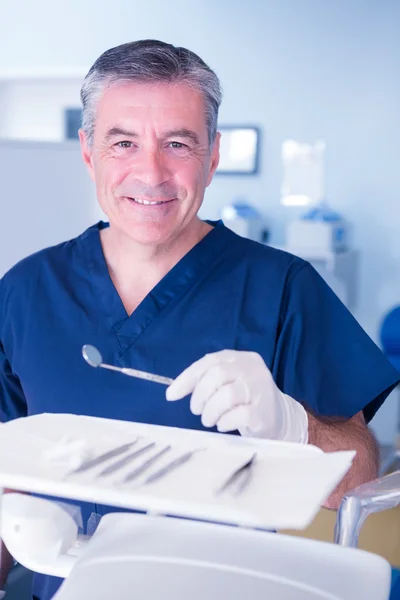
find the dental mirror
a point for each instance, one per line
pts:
(94, 358)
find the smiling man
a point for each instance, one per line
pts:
(252, 335)
(151, 158)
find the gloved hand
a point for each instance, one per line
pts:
(235, 390)
(2, 594)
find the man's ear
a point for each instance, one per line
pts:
(214, 158)
(86, 153)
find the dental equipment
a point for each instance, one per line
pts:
(242, 476)
(177, 462)
(125, 460)
(142, 468)
(93, 462)
(94, 358)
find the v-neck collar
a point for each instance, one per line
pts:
(193, 265)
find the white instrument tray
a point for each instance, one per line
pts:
(289, 484)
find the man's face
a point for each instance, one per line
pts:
(150, 158)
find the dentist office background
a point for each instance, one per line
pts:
(291, 70)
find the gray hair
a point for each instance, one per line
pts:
(149, 61)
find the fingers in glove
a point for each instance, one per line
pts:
(222, 401)
(186, 382)
(234, 419)
(214, 379)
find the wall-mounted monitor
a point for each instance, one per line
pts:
(239, 150)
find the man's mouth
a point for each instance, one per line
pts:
(143, 201)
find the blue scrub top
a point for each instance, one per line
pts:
(227, 292)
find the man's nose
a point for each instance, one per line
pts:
(151, 168)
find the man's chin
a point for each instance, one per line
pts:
(146, 233)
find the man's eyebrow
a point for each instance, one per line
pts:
(180, 133)
(183, 133)
(117, 131)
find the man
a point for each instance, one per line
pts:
(254, 335)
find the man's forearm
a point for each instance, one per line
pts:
(333, 434)
(6, 562)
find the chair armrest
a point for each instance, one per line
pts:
(358, 504)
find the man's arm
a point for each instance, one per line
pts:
(6, 560)
(332, 435)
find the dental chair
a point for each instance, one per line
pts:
(390, 343)
(157, 557)
(194, 554)
(357, 505)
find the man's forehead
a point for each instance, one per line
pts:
(158, 94)
(171, 106)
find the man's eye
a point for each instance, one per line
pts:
(177, 145)
(124, 144)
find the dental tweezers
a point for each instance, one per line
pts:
(241, 476)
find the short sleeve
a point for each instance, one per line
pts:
(323, 358)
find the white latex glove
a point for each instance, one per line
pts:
(2, 594)
(234, 390)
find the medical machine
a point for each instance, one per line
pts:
(245, 220)
(320, 229)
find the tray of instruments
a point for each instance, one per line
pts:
(170, 471)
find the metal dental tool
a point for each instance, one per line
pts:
(143, 467)
(125, 460)
(180, 460)
(242, 477)
(94, 359)
(98, 460)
